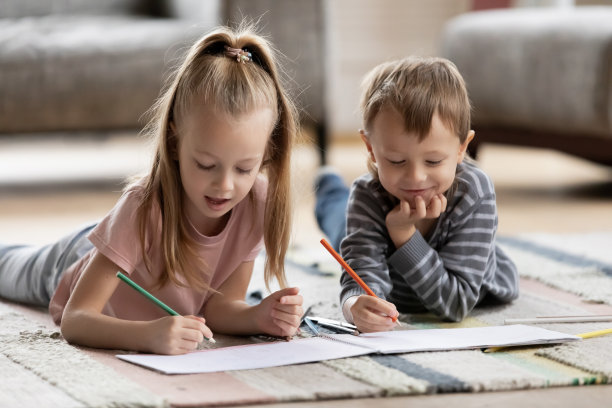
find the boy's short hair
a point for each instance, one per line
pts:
(417, 87)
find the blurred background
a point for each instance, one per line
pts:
(78, 76)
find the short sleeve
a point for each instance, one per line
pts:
(117, 236)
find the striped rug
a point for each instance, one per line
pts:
(37, 365)
(570, 263)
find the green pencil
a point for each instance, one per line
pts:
(152, 298)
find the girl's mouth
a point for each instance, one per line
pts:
(216, 203)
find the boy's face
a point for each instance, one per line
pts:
(407, 167)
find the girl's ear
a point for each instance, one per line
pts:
(172, 140)
(364, 137)
(464, 145)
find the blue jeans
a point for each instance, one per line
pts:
(30, 274)
(330, 208)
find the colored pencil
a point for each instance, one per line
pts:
(311, 326)
(561, 319)
(586, 335)
(597, 333)
(152, 298)
(318, 319)
(351, 272)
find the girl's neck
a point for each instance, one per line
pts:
(209, 227)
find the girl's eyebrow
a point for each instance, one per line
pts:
(246, 159)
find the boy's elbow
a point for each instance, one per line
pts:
(456, 317)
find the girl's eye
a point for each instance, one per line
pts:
(243, 171)
(204, 167)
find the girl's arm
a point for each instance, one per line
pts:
(83, 322)
(227, 312)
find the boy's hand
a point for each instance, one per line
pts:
(177, 334)
(279, 314)
(401, 221)
(372, 314)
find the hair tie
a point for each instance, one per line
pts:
(240, 55)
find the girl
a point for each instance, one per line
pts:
(189, 231)
(421, 226)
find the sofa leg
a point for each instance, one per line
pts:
(321, 134)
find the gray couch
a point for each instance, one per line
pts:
(84, 66)
(96, 66)
(538, 77)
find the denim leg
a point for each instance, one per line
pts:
(330, 208)
(30, 274)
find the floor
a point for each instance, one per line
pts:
(49, 188)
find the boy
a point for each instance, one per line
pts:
(421, 225)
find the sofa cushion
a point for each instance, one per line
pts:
(30, 8)
(85, 72)
(542, 69)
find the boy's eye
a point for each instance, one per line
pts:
(397, 162)
(433, 162)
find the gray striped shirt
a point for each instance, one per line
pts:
(449, 271)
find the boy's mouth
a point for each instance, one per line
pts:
(415, 192)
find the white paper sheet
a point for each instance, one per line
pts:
(247, 357)
(312, 349)
(406, 341)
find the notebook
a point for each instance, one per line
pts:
(333, 346)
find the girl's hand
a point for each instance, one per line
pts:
(372, 314)
(177, 334)
(279, 314)
(401, 221)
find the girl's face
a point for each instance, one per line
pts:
(219, 158)
(407, 167)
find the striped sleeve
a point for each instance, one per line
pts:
(451, 279)
(365, 246)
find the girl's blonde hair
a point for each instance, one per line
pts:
(417, 87)
(207, 75)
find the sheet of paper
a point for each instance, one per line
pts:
(406, 341)
(312, 349)
(247, 357)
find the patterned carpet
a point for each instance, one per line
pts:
(62, 375)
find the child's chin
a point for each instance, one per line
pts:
(412, 201)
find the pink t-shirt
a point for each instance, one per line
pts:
(117, 238)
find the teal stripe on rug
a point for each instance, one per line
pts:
(438, 382)
(555, 254)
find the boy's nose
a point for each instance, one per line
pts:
(415, 173)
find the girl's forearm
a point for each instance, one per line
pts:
(101, 331)
(232, 317)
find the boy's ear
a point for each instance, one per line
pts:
(368, 144)
(464, 145)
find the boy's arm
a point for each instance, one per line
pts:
(449, 282)
(366, 244)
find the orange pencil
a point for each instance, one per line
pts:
(350, 270)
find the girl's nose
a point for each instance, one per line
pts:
(225, 181)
